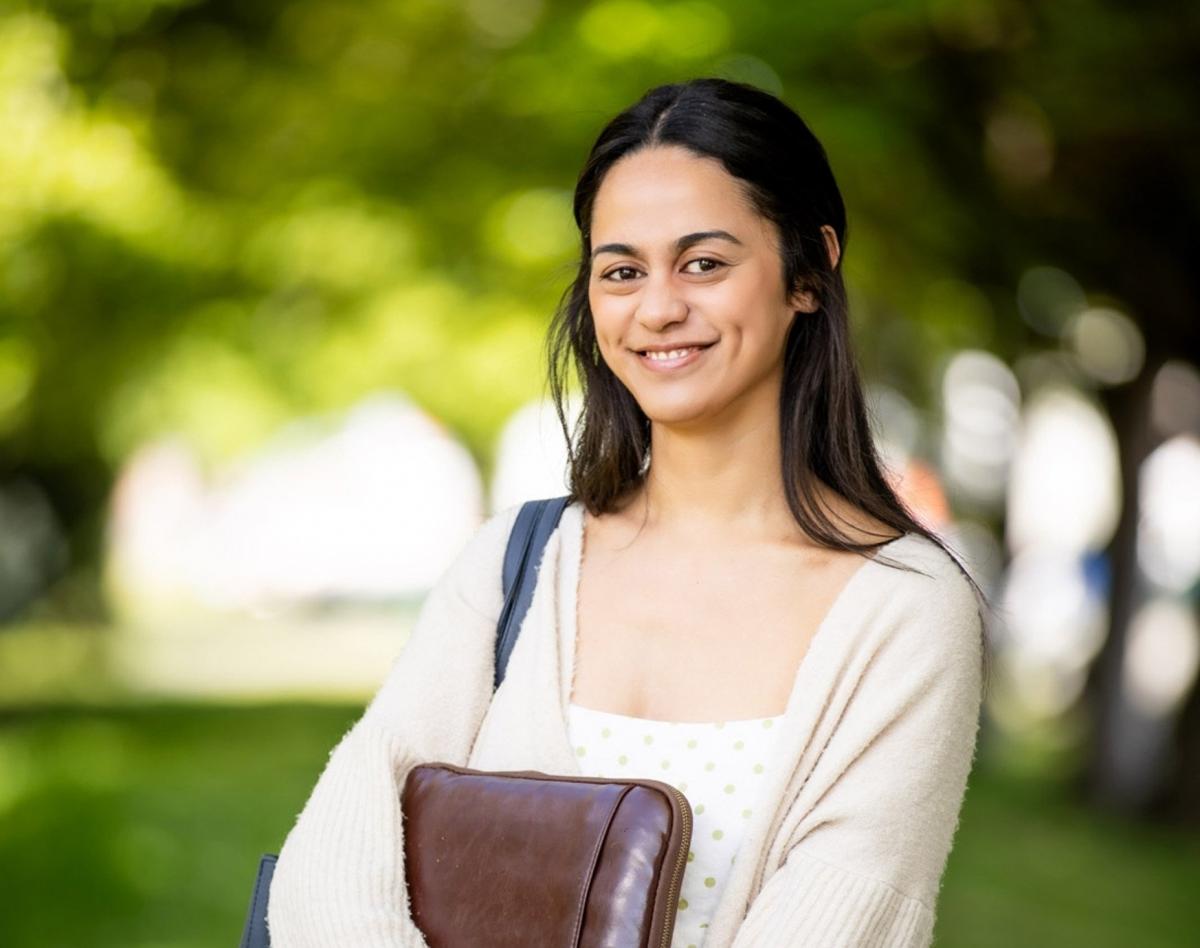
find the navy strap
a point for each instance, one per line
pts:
(536, 520)
(255, 934)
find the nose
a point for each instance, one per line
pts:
(660, 304)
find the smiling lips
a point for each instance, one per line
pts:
(670, 359)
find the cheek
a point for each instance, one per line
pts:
(606, 318)
(745, 307)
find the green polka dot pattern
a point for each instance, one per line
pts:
(721, 766)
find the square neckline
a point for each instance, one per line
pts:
(569, 598)
(662, 722)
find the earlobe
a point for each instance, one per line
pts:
(804, 301)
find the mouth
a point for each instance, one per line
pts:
(666, 361)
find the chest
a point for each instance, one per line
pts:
(701, 635)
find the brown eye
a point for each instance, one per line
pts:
(611, 275)
(716, 264)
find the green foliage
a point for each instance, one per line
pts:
(220, 215)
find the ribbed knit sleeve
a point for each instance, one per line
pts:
(866, 840)
(339, 880)
(812, 903)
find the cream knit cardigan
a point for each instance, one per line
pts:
(861, 803)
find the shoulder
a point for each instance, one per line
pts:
(474, 575)
(931, 609)
(927, 572)
(486, 545)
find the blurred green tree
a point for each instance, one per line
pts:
(218, 215)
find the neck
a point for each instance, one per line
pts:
(720, 480)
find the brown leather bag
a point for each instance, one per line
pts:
(523, 858)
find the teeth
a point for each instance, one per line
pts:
(672, 354)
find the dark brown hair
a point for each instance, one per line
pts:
(824, 429)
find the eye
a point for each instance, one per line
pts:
(716, 264)
(611, 275)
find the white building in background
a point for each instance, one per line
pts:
(531, 456)
(370, 506)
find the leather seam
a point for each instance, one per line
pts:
(590, 877)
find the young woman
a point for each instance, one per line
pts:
(734, 601)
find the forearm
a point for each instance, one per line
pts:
(340, 875)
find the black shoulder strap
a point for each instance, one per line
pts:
(536, 520)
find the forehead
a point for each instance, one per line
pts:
(658, 193)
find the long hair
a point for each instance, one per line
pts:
(823, 420)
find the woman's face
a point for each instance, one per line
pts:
(681, 260)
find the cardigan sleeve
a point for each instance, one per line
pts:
(339, 879)
(870, 831)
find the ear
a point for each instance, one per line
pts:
(832, 247)
(804, 300)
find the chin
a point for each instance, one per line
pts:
(675, 415)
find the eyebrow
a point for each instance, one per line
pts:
(682, 244)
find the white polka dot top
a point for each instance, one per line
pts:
(717, 765)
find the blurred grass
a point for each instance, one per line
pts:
(141, 825)
(1032, 867)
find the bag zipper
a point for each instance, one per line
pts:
(685, 810)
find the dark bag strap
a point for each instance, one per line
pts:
(536, 520)
(254, 935)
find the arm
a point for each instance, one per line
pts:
(339, 880)
(869, 834)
